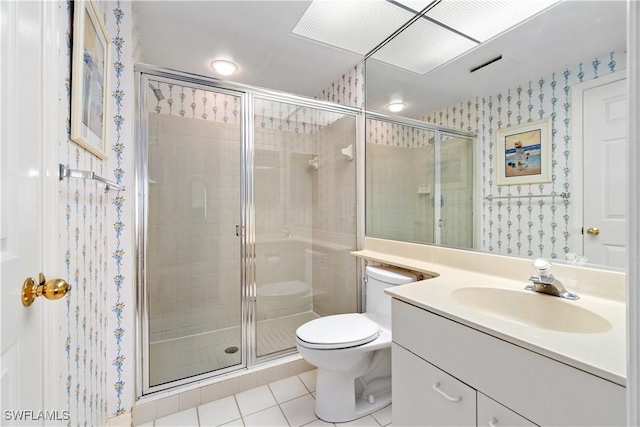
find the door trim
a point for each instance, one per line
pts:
(633, 270)
(577, 153)
(51, 261)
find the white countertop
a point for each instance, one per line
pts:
(601, 354)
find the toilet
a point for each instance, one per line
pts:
(353, 351)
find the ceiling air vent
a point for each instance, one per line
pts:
(484, 64)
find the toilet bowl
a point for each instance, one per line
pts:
(353, 352)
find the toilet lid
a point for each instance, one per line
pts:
(338, 331)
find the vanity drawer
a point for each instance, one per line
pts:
(541, 389)
(424, 395)
(493, 414)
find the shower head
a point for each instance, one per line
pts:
(157, 92)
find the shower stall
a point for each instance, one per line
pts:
(420, 182)
(246, 217)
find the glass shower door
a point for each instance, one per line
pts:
(193, 253)
(305, 219)
(456, 186)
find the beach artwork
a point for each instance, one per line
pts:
(524, 153)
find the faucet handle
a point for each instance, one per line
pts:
(542, 267)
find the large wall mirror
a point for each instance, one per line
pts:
(513, 136)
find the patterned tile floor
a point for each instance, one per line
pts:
(184, 357)
(288, 402)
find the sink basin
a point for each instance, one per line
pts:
(532, 309)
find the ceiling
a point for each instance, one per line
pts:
(187, 35)
(563, 36)
(257, 35)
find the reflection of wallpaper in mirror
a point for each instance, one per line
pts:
(521, 226)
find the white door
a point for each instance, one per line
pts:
(24, 362)
(605, 173)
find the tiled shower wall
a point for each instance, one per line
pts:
(193, 258)
(399, 158)
(305, 218)
(519, 226)
(283, 189)
(334, 220)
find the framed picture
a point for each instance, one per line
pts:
(524, 153)
(89, 79)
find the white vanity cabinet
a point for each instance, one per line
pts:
(498, 382)
(424, 395)
(493, 414)
(427, 396)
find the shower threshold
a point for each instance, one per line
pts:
(179, 358)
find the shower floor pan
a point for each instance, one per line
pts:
(180, 358)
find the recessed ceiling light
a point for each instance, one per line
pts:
(396, 107)
(224, 67)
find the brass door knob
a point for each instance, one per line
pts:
(50, 289)
(593, 231)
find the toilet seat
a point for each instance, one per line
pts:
(338, 331)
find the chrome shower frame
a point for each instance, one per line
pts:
(247, 94)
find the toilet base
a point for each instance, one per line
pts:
(363, 407)
(340, 403)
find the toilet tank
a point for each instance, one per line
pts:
(377, 303)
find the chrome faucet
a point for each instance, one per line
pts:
(545, 283)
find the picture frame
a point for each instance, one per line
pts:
(524, 153)
(89, 79)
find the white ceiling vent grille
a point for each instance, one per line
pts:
(423, 47)
(416, 5)
(483, 20)
(446, 31)
(356, 26)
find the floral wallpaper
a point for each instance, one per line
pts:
(348, 89)
(212, 106)
(522, 226)
(120, 352)
(397, 135)
(95, 242)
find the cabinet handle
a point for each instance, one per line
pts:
(493, 422)
(436, 387)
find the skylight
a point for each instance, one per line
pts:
(356, 26)
(446, 31)
(483, 20)
(423, 47)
